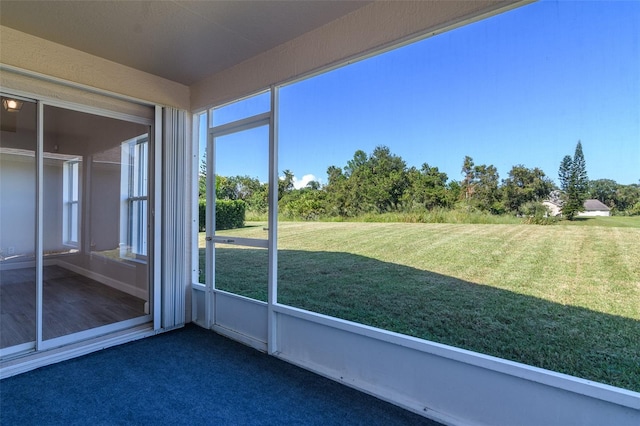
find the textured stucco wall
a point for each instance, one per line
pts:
(42, 56)
(373, 27)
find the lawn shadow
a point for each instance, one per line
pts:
(260, 225)
(582, 219)
(444, 309)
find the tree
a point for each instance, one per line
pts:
(627, 198)
(313, 185)
(469, 177)
(524, 186)
(225, 188)
(486, 194)
(357, 174)
(564, 173)
(285, 183)
(574, 182)
(202, 177)
(386, 180)
(454, 190)
(248, 189)
(604, 190)
(304, 203)
(373, 183)
(360, 158)
(580, 171)
(480, 185)
(336, 192)
(623, 199)
(427, 187)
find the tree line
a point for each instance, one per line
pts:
(381, 182)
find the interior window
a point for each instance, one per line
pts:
(71, 194)
(134, 190)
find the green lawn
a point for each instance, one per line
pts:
(610, 221)
(564, 297)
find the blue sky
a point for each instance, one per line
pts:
(518, 88)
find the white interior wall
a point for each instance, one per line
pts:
(52, 204)
(17, 205)
(17, 185)
(105, 206)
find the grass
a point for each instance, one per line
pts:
(438, 216)
(563, 297)
(610, 221)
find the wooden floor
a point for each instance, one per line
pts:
(71, 303)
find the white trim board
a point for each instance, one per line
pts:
(239, 337)
(7, 266)
(35, 360)
(447, 384)
(118, 285)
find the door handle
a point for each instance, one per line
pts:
(221, 240)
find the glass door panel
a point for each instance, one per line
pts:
(95, 269)
(18, 193)
(241, 166)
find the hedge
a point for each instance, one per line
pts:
(229, 214)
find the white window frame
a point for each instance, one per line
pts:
(134, 196)
(71, 190)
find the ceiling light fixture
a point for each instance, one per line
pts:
(11, 105)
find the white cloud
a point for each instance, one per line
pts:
(301, 183)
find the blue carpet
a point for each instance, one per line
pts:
(189, 376)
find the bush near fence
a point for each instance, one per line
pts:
(229, 214)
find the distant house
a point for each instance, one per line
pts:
(595, 208)
(555, 208)
(591, 207)
(554, 204)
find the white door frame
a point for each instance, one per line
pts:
(239, 323)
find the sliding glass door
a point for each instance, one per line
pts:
(18, 193)
(74, 242)
(95, 269)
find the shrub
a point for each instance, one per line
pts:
(536, 213)
(303, 204)
(202, 214)
(229, 214)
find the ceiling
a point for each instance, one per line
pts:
(183, 41)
